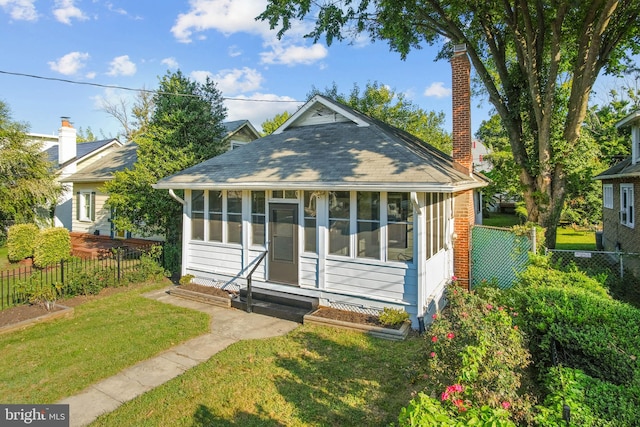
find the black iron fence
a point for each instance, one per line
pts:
(77, 276)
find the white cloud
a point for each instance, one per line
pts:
(171, 63)
(232, 81)
(259, 107)
(226, 16)
(70, 63)
(121, 66)
(65, 10)
(234, 51)
(20, 10)
(292, 55)
(91, 75)
(437, 90)
(112, 8)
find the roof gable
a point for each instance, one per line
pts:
(321, 110)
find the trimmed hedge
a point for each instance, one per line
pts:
(21, 240)
(52, 245)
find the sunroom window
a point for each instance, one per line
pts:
(197, 214)
(215, 215)
(339, 222)
(257, 217)
(310, 222)
(368, 218)
(399, 227)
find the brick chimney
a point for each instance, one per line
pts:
(66, 141)
(464, 214)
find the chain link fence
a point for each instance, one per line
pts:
(498, 255)
(618, 271)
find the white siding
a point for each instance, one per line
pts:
(308, 272)
(219, 259)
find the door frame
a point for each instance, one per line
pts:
(291, 275)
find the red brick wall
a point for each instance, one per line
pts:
(464, 213)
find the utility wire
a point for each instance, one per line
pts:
(56, 79)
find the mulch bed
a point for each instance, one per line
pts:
(209, 290)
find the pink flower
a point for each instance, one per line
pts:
(506, 405)
(514, 314)
(434, 339)
(454, 279)
(444, 396)
(489, 307)
(500, 308)
(456, 388)
(515, 327)
(433, 354)
(450, 335)
(465, 314)
(435, 316)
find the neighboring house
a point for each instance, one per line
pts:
(68, 157)
(354, 212)
(620, 184)
(480, 160)
(90, 213)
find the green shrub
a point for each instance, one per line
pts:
(148, 268)
(393, 316)
(591, 402)
(426, 411)
(51, 246)
(475, 344)
(21, 240)
(591, 331)
(186, 279)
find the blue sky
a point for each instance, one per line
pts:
(132, 43)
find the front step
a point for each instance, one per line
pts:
(276, 304)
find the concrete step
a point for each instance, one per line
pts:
(276, 304)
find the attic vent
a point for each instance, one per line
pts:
(459, 48)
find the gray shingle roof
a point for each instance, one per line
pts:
(102, 170)
(82, 149)
(623, 169)
(326, 156)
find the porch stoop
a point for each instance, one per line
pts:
(281, 305)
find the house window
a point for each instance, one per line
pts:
(197, 214)
(435, 223)
(86, 206)
(607, 196)
(257, 217)
(626, 205)
(236, 144)
(339, 223)
(234, 216)
(399, 227)
(368, 221)
(215, 215)
(284, 194)
(310, 223)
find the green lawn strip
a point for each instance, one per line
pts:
(312, 376)
(50, 361)
(569, 239)
(495, 219)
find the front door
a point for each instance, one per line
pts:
(283, 237)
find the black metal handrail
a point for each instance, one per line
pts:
(249, 276)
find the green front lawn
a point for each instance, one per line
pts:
(496, 219)
(50, 361)
(314, 376)
(569, 239)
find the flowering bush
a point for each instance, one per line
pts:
(477, 356)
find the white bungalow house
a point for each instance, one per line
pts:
(68, 157)
(353, 212)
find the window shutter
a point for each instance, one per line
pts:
(78, 206)
(93, 206)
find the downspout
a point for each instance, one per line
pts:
(176, 197)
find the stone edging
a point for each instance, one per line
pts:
(200, 297)
(59, 314)
(376, 331)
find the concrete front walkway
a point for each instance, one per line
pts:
(227, 326)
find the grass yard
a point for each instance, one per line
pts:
(50, 361)
(569, 239)
(496, 219)
(314, 376)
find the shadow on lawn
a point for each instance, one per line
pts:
(203, 417)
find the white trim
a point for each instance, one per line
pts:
(326, 186)
(627, 205)
(607, 196)
(82, 216)
(318, 99)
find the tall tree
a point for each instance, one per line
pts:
(387, 105)
(185, 129)
(270, 125)
(28, 185)
(524, 53)
(134, 121)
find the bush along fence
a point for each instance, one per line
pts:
(77, 276)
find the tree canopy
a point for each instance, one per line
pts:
(186, 128)
(537, 61)
(28, 186)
